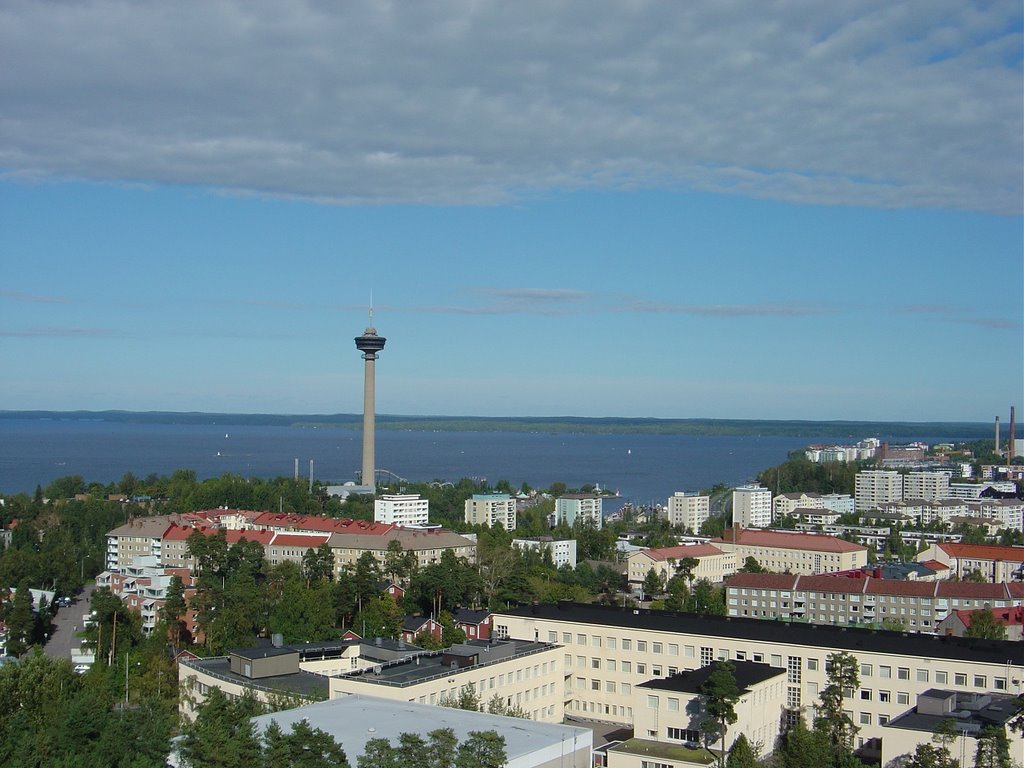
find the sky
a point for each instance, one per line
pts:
(787, 210)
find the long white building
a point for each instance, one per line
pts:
(875, 487)
(405, 509)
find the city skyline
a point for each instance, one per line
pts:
(648, 211)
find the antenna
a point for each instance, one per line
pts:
(371, 307)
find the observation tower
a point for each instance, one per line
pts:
(369, 344)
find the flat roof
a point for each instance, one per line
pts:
(747, 673)
(354, 720)
(305, 684)
(427, 666)
(827, 638)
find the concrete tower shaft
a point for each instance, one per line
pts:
(369, 344)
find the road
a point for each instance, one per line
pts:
(67, 622)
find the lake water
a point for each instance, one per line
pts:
(643, 468)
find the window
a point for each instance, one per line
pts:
(883, 719)
(652, 702)
(673, 649)
(903, 673)
(581, 639)
(865, 718)
(960, 678)
(812, 664)
(566, 637)
(641, 646)
(595, 685)
(627, 666)
(609, 664)
(865, 694)
(942, 678)
(866, 670)
(885, 696)
(653, 763)
(981, 681)
(656, 670)
(609, 686)
(581, 661)
(673, 705)
(625, 689)
(641, 669)
(885, 672)
(922, 675)
(627, 645)
(595, 641)
(552, 636)
(999, 683)
(610, 642)
(902, 697)
(776, 660)
(656, 647)
(595, 663)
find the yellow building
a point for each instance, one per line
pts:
(784, 551)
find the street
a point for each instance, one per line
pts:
(64, 636)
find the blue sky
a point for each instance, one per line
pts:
(669, 210)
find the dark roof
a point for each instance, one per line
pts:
(306, 684)
(747, 673)
(467, 616)
(262, 652)
(781, 632)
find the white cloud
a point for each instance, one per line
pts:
(877, 103)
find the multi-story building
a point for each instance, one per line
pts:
(842, 503)
(785, 503)
(608, 652)
(563, 551)
(687, 510)
(973, 491)
(712, 563)
(812, 517)
(401, 509)
(428, 546)
(930, 486)
(995, 563)
(493, 509)
(793, 552)
(875, 487)
(142, 586)
(586, 507)
(523, 673)
(917, 606)
(752, 506)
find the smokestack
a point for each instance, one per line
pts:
(1012, 448)
(997, 448)
(997, 436)
(310, 475)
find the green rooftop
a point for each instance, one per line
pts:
(649, 748)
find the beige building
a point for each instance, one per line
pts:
(428, 545)
(523, 673)
(585, 507)
(687, 510)
(930, 486)
(793, 552)
(785, 503)
(713, 564)
(918, 605)
(752, 506)
(994, 562)
(609, 651)
(493, 509)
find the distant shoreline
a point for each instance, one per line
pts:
(856, 430)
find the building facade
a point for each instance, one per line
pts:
(401, 509)
(712, 563)
(563, 551)
(687, 510)
(493, 509)
(929, 486)
(752, 506)
(588, 508)
(781, 551)
(875, 487)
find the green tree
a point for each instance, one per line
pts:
(654, 584)
(751, 565)
(984, 625)
(802, 748)
(741, 754)
(467, 698)
(222, 735)
(993, 749)
(302, 747)
(483, 749)
(931, 756)
(843, 674)
(318, 565)
(21, 622)
(720, 694)
(380, 617)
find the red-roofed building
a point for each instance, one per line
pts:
(293, 546)
(287, 522)
(784, 551)
(958, 622)
(713, 564)
(995, 562)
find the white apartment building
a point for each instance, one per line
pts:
(585, 507)
(687, 510)
(973, 491)
(838, 502)
(930, 486)
(563, 551)
(752, 506)
(609, 651)
(403, 509)
(491, 509)
(875, 487)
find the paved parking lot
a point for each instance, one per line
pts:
(67, 622)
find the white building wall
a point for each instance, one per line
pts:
(876, 487)
(752, 506)
(401, 509)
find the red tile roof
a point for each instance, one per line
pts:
(1010, 616)
(806, 541)
(299, 540)
(983, 552)
(233, 537)
(310, 523)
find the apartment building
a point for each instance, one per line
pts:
(841, 601)
(752, 506)
(780, 551)
(493, 509)
(843, 503)
(973, 491)
(929, 486)
(401, 509)
(563, 551)
(712, 563)
(143, 586)
(785, 503)
(586, 507)
(686, 510)
(608, 652)
(523, 673)
(875, 487)
(813, 516)
(994, 562)
(427, 544)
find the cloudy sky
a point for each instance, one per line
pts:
(705, 209)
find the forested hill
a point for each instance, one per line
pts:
(853, 430)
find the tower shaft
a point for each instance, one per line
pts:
(369, 421)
